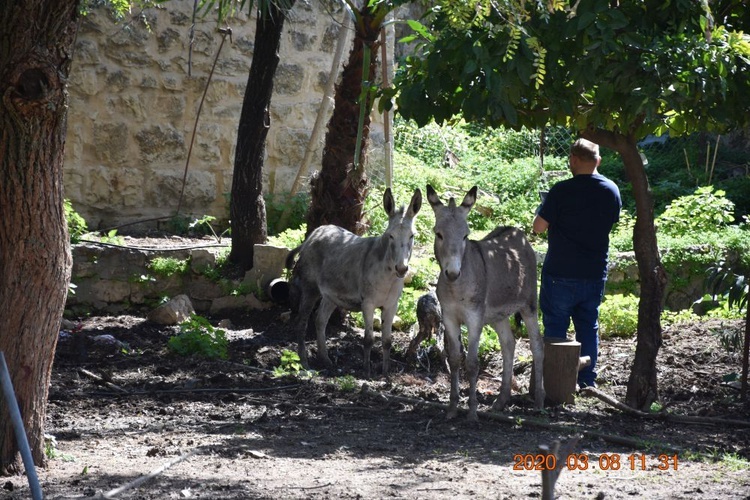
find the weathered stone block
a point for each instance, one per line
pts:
(174, 312)
(237, 303)
(289, 79)
(160, 143)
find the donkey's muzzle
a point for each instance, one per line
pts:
(452, 275)
(401, 270)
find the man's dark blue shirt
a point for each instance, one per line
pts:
(581, 212)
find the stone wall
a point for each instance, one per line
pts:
(135, 90)
(113, 279)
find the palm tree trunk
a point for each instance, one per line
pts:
(338, 191)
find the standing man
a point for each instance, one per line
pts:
(579, 214)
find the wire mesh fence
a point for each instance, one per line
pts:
(698, 154)
(438, 145)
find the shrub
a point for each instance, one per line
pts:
(198, 338)
(296, 208)
(289, 238)
(618, 316)
(77, 226)
(290, 364)
(168, 266)
(701, 212)
(407, 307)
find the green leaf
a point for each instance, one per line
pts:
(585, 20)
(420, 29)
(510, 112)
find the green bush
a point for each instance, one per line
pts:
(198, 338)
(289, 238)
(77, 226)
(277, 204)
(704, 211)
(168, 266)
(618, 316)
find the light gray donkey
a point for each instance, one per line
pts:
(484, 282)
(339, 268)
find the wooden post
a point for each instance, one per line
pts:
(550, 475)
(561, 365)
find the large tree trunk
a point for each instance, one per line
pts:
(642, 385)
(247, 207)
(338, 191)
(35, 261)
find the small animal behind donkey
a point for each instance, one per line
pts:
(484, 282)
(337, 268)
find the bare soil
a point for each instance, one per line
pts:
(230, 430)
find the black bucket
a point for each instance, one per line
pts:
(278, 291)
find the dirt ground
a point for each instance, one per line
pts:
(230, 430)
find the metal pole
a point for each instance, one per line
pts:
(21, 440)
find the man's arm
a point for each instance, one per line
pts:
(540, 225)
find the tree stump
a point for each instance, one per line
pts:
(562, 360)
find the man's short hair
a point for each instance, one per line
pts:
(585, 150)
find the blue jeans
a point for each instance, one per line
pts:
(563, 299)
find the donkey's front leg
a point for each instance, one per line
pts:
(507, 347)
(386, 315)
(453, 346)
(325, 309)
(368, 311)
(474, 327)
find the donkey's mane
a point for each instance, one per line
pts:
(498, 231)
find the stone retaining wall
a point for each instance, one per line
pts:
(135, 90)
(111, 279)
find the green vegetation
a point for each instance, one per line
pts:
(346, 383)
(695, 225)
(112, 238)
(705, 211)
(618, 316)
(168, 266)
(291, 366)
(289, 238)
(204, 223)
(77, 226)
(198, 337)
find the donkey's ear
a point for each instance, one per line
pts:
(470, 198)
(415, 204)
(432, 197)
(388, 203)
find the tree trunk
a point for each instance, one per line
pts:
(35, 261)
(247, 207)
(338, 191)
(745, 353)
(642, 385)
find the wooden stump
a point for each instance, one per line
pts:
(562, 360)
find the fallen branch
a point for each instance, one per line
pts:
(100, 380)
(139, 481)
(533, 422)
(197, 391)
(596, 393)
(671, 417)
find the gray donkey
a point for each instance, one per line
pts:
(484, 282)
(340, 269)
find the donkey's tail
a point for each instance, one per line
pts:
(290, 257)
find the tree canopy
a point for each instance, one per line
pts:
(630, 66)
